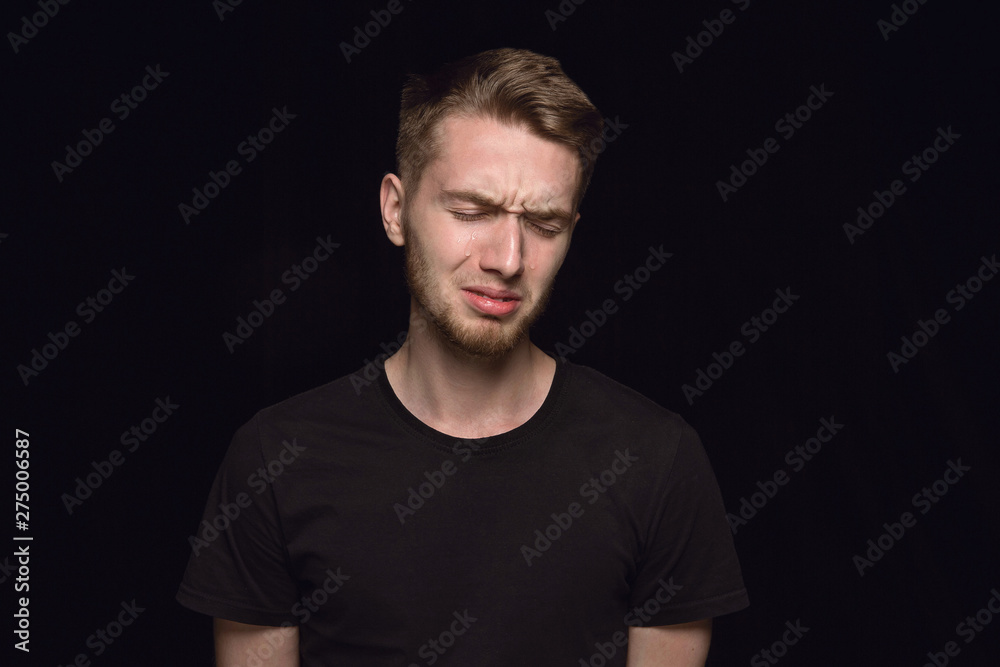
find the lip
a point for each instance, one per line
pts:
(487, 300)
(492, 293)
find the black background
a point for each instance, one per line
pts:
(655, 184)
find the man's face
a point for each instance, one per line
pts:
(487, 230)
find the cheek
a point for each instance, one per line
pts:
(554, 256)
(447, 248)
(465, 244)
(543, 262)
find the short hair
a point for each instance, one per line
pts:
(513, 86)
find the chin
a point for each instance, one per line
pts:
(491, 344)
(486, 337)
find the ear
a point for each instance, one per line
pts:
(391, 198)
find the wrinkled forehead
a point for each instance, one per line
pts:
(505, 161)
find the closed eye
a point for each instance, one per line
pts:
(544, 231)
(547, 232)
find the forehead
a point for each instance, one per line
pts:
(507, 162)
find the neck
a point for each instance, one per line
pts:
(465, 396)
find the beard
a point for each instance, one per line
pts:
(487, 336)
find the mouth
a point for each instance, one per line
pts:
(494, 298)
(494, 294)
(492, 301)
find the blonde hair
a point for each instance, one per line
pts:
(513, 86)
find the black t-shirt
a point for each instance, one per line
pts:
(392, 544)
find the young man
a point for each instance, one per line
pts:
(481, 503)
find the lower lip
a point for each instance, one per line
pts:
(491, 306)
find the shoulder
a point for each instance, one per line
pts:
(316, 415)
(592, 391)
(606, 413)
(340, 395)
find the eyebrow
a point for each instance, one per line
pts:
(484, 200)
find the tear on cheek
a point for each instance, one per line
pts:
(468, 245)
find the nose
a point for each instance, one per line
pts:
(501, 246)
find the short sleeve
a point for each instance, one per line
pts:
(689, 569)
(239, 566)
